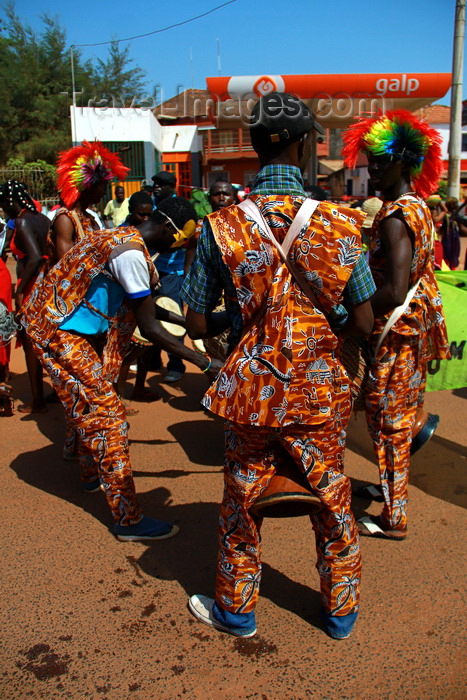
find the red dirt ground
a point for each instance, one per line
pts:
(85, 616)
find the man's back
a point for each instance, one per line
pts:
(284, 366)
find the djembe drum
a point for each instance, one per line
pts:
(288, 495)
(137, 348)
(424, 427)
(139, 344)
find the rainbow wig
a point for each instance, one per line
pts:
(83, 166)
(405, 137)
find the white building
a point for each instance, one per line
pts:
(133, 133)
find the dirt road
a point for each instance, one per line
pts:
(85, 616)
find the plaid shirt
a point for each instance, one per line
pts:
(209, 276)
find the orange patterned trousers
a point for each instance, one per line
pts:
(96, 414)
(395, 390)
(252, 454)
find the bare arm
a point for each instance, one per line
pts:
(360, 320)
(27, 243)
(206, 325)
(397, 244)
(143, 308)
(62, 234)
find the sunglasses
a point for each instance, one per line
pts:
(181, 235)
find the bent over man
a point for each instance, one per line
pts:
(80, 318)
(283, 391)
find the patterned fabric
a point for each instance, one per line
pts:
(83, 370)
(284, 370)
(397, 379)
(283, 390)
(208, 275)
(82, 225)
(83, 380)
(252, 455)
(395, 390)
(424, 318)
(65, 285)
(206, 280)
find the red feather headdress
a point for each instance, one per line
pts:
(83, 166)
(404, 136)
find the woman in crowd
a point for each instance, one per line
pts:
(29, 246)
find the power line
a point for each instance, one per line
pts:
(158, 31)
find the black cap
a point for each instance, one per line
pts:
(164, 177)
(281, 117)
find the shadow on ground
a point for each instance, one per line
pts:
(189, 558)
(438, 468)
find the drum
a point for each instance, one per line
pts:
(425, 426)
(170, 305)
(137, 347)
(199, 346)
(288, 495)
(216, 348)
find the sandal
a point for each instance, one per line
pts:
(129, 411)
(370, 492)
(373, 526)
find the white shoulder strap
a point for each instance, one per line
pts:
(396, 314)
(302, 217)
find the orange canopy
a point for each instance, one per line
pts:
(335, 99)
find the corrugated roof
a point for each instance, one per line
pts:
(435, 114)
(188, 104)
(331, 165)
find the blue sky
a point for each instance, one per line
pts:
(266, 36)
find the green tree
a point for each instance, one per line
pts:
(36, 86)
(117, 79)
(442, 189)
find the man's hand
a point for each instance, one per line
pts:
(215, 368)
(19, 298)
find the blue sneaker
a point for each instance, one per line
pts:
(146, 529)
(92, 486)
(339, 627)
(206, 610)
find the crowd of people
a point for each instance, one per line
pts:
(285, 277)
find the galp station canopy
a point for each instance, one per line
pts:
(336, 100)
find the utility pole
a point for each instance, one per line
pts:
(455, 127)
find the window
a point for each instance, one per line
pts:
(464, 142)
(131, 153)
(184, 179)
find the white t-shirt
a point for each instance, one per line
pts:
(131, 270)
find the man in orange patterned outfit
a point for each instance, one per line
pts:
(80, 318)
(283, 392)
(404, 165)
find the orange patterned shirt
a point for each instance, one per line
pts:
(60, 291)
(424, 316)
(284, 369)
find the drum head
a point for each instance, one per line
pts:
(139, 339)
(199, 346)
(170, 305)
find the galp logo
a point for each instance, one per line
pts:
(264, 86)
